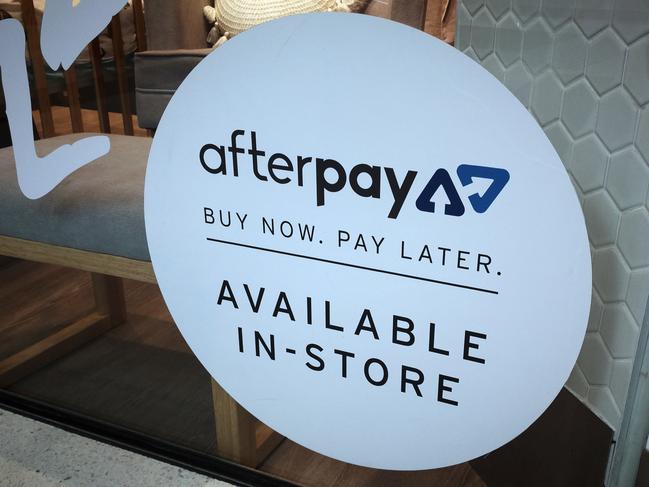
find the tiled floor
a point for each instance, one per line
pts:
(34, 454)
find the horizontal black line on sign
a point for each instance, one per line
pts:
(355, 266)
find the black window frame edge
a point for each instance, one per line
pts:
(138, 442)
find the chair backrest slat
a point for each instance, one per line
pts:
(410, 12)
(74, 103)
(38, 66)
(72, 87)
(140, 28)
(434, 15)
(122, 81)
(94, 52)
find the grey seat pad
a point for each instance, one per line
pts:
(99, 208)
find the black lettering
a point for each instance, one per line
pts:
(309, 352)
(384, 369)
(301, 162)
(259, 340)
(229, 222)
(254, 305)
(343, 236)
(461, 258)
(396, 329)
(399, 191)
(360, 243)
(367, 317)
(344, 356)
(322, 185)
(425, 254)
(306, 231)
(444, 250)
(403, 251)
(242, 220)
(415, 383)
(283, 306)
(328, 323)
(468, 345)
(235, 151)
(272, 167)
(286, 229)
(265, 225)
(208, 215)
(431, 342)
(485, 263)
(226, 294)
(221, 168)
(442, 388)
(374, 172)
(240, 336)
(256, 153)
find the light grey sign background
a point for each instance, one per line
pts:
(364, 90)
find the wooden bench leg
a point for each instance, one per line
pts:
(240, 437)
(109, 297)
(110, 310)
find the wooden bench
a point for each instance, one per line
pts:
(94, 221)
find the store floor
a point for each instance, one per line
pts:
(33, 454)
(141, 375)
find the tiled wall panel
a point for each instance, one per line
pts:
(582, 69)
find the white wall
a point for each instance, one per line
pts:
(582, 69)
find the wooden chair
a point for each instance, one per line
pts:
(240, 437)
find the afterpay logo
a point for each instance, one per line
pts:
(365, 180)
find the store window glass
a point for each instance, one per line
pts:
(89, 340)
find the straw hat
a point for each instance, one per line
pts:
(230, 17)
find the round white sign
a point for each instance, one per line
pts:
(368, 241)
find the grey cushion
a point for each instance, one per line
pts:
(158, 74)
(99, 208)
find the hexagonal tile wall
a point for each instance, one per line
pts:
(588, 163)
(537, 46)
(631, 19)
(619, 331)
(524, 9)
(616, 119)
(582, 69)
(628, 178)
(602, 216)
(569, 56)
(508, 40)
(605, 62)
(592, 16)
(642, 142)
(634, 237)
(596, 311)
(636, 75)
(547, 97)
(579, 111)
(557, 12)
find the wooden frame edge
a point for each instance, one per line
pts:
(84, 260)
